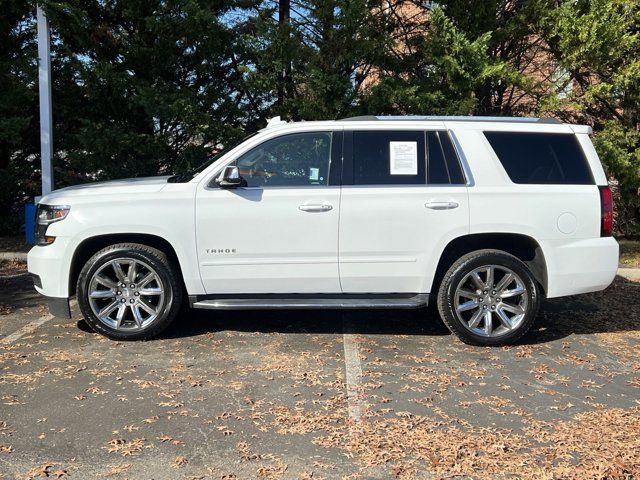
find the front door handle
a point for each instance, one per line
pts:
(441, 205)
(323, 207)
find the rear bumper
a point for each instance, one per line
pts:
(580, 266)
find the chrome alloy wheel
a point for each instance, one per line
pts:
(126, 294)
(491, 301)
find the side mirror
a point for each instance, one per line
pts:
(231, 178)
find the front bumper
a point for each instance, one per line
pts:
(49, 269)
(58, 306)
(51, 265)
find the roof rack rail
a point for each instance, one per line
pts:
(362, 118)
(453, 118)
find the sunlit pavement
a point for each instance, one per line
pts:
(327, 394)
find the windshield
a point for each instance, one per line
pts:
(190, 174)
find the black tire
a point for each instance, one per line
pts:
(167, 280)
(457, 274)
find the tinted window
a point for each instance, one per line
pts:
(388, 158)
(443, 166)
(541, 158)
(300, 159)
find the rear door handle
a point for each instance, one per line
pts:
(323, 207)
(441, 205)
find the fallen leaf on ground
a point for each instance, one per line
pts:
(180, 462)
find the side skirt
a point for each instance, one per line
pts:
(266, 302)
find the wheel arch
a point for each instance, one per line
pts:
(89, 246)
(524, 247)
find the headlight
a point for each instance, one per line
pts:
(45, 216)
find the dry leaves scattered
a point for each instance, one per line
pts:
(246, 453)
(115, 470)
(12, 267)
(124, 447)
(46, 471)
(419, 418)
(273, 471)
(607, 442)
(169, 439)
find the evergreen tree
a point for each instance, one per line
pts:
(431, 67)
(327, 47)
(597, 42)
(19, 138)
(153, 87)
(512, 34)
(145, 87)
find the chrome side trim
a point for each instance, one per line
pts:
(417, 301)
(269, 261)
(386, 259)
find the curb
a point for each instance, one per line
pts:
(18, 256)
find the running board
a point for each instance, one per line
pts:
(364, 302)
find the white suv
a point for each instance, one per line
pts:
(483, 215)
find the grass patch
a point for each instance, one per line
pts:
(629, 253)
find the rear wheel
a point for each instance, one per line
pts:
(488, 297)
(129, 292)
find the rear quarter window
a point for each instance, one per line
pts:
(541, 158)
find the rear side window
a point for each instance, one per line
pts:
(389, 157)
(541, 158)
(443, 167)
(407, 157)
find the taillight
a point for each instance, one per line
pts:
(606, 209)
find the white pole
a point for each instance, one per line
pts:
(44, 84)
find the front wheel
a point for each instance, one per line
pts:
(489, 298)
(129, 292)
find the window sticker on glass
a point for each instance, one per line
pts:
(314, 174)
(403, 158)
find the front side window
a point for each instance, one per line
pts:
(295, 160)
(541, 158)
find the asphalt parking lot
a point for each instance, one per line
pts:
(300, 394)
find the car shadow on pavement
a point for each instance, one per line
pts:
(614, 310)
(17, 291)
(617, 309)
(367, 322)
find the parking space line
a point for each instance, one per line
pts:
(353, 369)
(28, 328)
